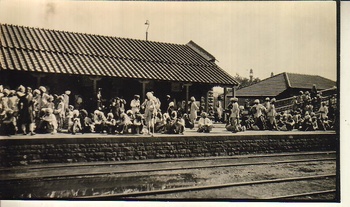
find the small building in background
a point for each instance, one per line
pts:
(281, 86)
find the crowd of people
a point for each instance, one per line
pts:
(27, 111)
(308, 112)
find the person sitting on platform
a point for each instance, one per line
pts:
(288, 123)
(159, 123)
(204, 123)
(314, 123)
(48, 122)
(246, 119)
(125, 124)
(99, 121)
(137, 123)
(8, 123)
(87, 123)
(75, 126)
(306, 124)
(178, 123)
(110, 124)
(170, 108)
(188, 123)
(131, 115)
(328, 125)
(174, 125)
(297, 119)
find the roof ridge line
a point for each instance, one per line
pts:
(84, 33)
(262, 80)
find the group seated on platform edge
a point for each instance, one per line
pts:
(27, 111)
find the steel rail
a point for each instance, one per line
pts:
(301, 194)
(198, 188)
(133, 162)
(166, 169)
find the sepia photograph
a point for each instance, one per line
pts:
(198, 101)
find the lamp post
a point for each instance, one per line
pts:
(147, 23)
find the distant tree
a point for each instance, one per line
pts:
(244, 82)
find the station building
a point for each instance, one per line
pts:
(121, 67)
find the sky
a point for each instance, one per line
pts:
(268, 37)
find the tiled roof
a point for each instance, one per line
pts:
(277, 84)
(268, 87)
(307, 81)
(51, 51)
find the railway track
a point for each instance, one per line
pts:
(226, 185)
(141, 173)
(111, 172)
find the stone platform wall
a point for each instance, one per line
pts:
(66, 150)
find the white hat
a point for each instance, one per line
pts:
(21, 89)
(6, 91)
(42, 88)
(36, 91)
(49, 110)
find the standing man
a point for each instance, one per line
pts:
(257, 111)
(219, 109)
(271, 115)
(135, 104)
(25, 110)
(193, 110)
(234, 116)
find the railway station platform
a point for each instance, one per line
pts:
(20, 150)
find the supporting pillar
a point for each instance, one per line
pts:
(187, 85)
(38, 77)
(234, 88)
(94, 86)
(225, 94)
(143, 94)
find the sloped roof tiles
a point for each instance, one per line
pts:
(275, 85)
(51, 51)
